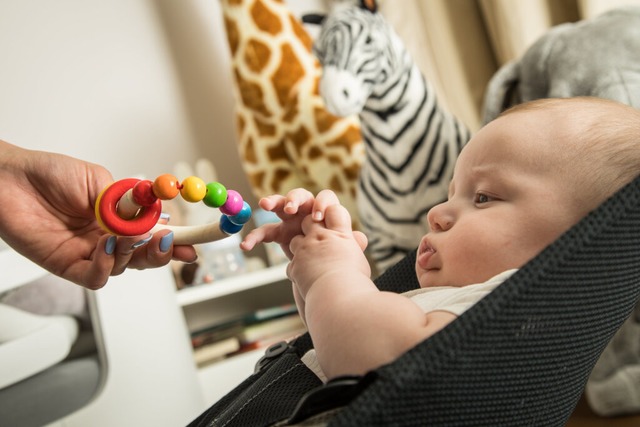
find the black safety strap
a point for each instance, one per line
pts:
(269, 395)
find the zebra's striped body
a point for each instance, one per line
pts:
(411, 143)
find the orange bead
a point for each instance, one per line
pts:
(193, 189)
(166, 187)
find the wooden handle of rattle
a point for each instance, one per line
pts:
(193, 234)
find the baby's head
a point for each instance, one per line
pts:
(523, 180)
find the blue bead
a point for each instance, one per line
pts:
(243, 216)
(227, 227)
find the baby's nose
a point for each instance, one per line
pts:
(440, 218)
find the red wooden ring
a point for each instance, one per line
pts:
(143, 222)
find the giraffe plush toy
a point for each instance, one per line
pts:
(286, 137)
(411, 143)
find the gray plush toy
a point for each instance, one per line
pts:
(597, 57)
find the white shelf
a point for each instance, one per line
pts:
(231, 285)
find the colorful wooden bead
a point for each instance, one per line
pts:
(243, 216)
(216, 195)
(233, 205)
(193, 189)
(227, 226)
(166, 187)
(143, 193)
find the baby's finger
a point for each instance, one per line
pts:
(296, 198)
(294, 245)
(337, 218)
(308, 225)
(273, 203)
(263, 234)
(323, 200)
(361, 239)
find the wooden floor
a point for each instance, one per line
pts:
(584, 417)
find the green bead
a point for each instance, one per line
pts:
(216, 195)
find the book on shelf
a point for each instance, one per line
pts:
(215, 351)
(269, 328)
(251, 331)
(231, 327)
(268, 341)
(270, 313)
(215, 334)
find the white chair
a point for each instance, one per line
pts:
(29, 343)
(145, 369)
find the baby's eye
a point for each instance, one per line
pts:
(481, 198)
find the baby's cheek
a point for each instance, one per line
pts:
(478, 261)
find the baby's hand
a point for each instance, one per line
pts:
(291, 209)
(327, 249)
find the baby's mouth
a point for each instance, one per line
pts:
(426, 247)
(424, 254)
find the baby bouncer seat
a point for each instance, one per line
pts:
(519, 357)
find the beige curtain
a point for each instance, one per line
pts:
(460, 44)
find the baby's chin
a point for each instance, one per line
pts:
(438, 277)
(430, 278)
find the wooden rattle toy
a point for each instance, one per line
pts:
(131, 207)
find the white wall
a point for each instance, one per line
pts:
(92, 79)
(135, 85)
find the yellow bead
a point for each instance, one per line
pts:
(193, 189)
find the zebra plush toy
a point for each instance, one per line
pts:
(411, 143)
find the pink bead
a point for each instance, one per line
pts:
(143, 193)
(234, 203)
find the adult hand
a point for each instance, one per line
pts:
(47, 214)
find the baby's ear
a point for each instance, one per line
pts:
(370, 5)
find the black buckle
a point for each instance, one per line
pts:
(334, 394)
(273, 352)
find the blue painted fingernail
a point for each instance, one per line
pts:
(142, 242)
(165, 216)
(166, 241)
(110, 245)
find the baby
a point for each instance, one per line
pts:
(521, 181)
